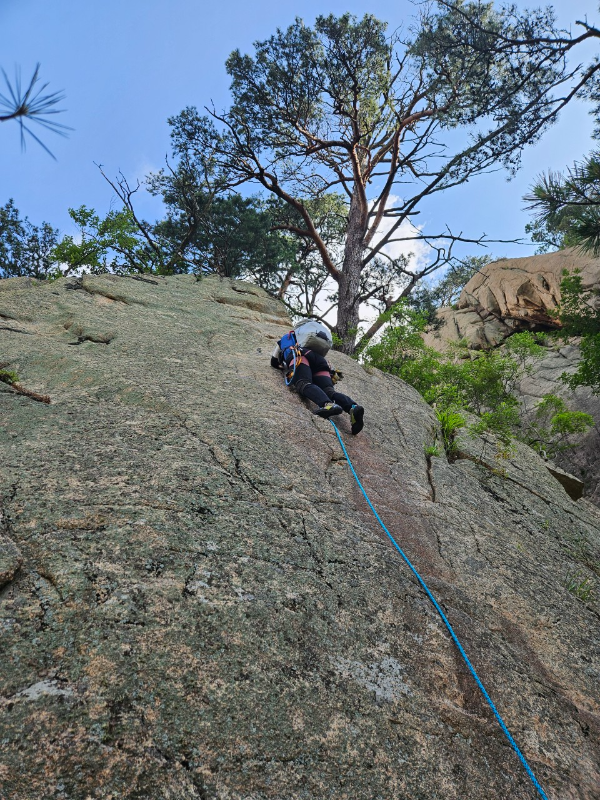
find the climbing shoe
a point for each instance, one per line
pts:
(356, 419)
(328, 410)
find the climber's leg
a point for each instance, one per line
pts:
(303, 383)
(322, 378)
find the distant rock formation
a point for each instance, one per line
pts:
(513, 294)
(516, 294)
(198, 604)
(524, 289)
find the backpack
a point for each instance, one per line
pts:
(313, 335)
(290, 350)
(287, 344)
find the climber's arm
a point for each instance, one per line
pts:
(276, 358)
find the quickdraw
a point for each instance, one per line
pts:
(296, 359)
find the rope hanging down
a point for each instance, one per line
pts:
(444, 619)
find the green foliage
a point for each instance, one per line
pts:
(567, 422)
(588, 372)
(482, 383)
(550, 236)
(113, 244)
(400, 342)
(233, 237)
(503, 421)
(579, 315)
(8, 376)
(477, 382)
(577, 311)
(549, 430)
(25, 249)
(523, 347)
(300, 276)
(432, 451)
(567, 207)
(487, 381)
(296, 73)
(583, 587)
(450, 422)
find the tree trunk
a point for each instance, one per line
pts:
(286, 284)
(349, 284)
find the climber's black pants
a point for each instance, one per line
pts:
(313, 380)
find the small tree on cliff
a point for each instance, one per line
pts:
(344, 106)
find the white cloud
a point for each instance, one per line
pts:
(408, 232)
(418, 251)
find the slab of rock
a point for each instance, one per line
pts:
(10, 555)
(476, 327)
(510, 295)
(206, 607)
(572, 485)
(525, 289)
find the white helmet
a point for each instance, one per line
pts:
(313, 335)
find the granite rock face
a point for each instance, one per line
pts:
(478, 326)
(198, 603)
(524, 289)
(583, 461)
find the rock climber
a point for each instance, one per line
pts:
(301, 354)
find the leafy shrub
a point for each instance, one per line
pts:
(579, 315)
(25, 249)
(484, 383)
(7, 376)
(552, 424)
(450, 422)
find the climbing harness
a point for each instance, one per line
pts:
(444, 619)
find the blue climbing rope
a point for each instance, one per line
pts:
(436, 605)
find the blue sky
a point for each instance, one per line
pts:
(125, 66)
